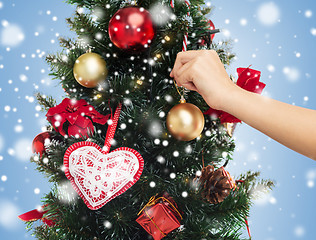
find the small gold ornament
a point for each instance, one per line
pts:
(185, 121)
(90, 69)
(230, 128)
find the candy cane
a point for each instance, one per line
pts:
(172, 3)
(185, 42)
(185, 37)
(186, 1)
(188, 5)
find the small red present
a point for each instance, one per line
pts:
(160, 216)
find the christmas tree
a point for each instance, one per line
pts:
(124, 162)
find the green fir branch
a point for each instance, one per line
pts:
(46, 102)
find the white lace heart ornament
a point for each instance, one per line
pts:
(99, 176)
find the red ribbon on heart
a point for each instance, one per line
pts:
(248, 79)
(99, 175)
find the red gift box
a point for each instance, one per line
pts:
(159, 217)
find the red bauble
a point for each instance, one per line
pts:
(212, 27)
(39, 142)
(131, 29)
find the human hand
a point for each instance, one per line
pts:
(203, 71)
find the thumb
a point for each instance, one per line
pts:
(171, 74)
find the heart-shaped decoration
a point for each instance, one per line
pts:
(99, 176)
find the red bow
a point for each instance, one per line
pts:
(248, 79)
(78, 113)
(35, 215)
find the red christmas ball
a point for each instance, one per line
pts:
(131, 29)
(42, 139)
(212, 27)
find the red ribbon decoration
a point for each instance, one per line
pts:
(248, 229)
(185, 37)
(246, 220)
(111, 130)
(35, 215)
(248, 79)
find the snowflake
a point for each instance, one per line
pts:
(268, 13)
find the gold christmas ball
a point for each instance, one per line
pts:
(185, 121)
(90, 69)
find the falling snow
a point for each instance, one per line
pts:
(66, 193)
(268, 13)
(308, 13)
(155, 128)
(1, 143)
(107, 224)
(311, 178)
(262, 38)
(299, 231)
(37, 191)
(11, 35)
(4, 178)
(9, 211)
(184, 194)
(271, 68)
(291, 73)
(22, 149)
(152, 184)
(161, 14)
(243, 22)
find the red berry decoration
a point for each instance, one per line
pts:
(42, 139)
(131, 29)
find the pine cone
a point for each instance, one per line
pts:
(215, 184)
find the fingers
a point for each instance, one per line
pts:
(183, 58)
(182, 68)
(184, 76)
(190, 86)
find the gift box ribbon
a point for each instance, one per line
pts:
(152, 201)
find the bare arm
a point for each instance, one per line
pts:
(292, 126)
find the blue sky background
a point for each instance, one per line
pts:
(275, 37)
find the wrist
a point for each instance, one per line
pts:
(229, 99)
(225, 99)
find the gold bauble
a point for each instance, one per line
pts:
(185, 121)
(90, 69)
